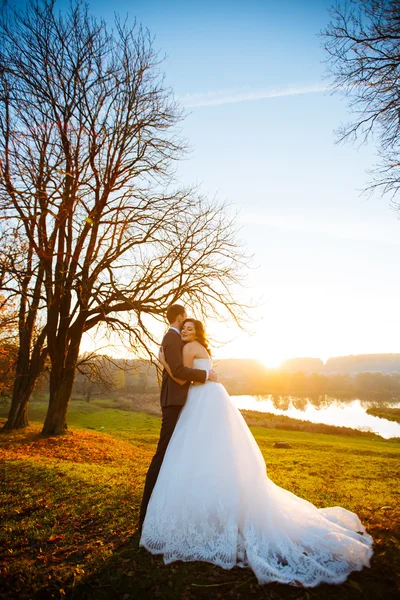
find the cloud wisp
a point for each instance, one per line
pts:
(246, 94)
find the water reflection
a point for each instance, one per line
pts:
(325, 410)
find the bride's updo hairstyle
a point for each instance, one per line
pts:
(200, 333)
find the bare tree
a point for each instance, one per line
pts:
(363, 44)
(21, 281)
(96, 372)
(87, 141)
(8, 345)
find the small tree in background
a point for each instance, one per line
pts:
(95, 372)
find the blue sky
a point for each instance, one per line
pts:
(261, 128)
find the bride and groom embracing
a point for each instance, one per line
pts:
(207, 495)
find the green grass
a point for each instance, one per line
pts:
(69, 509)
(392, 414)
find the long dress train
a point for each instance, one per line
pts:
(214, 502)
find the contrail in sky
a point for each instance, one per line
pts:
(245, 94)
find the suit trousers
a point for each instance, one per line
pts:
(170, 416)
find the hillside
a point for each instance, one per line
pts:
(362, 363)
(345, 365)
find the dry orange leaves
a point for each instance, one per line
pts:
(78, 446)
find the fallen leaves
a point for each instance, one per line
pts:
(78, 446)
(67, 501)
(55, 538)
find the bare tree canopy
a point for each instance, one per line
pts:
(363, 43)
(88, 142)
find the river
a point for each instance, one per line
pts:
(352, 413)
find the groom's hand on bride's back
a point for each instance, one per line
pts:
(212, 376)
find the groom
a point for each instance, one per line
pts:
(172, 397)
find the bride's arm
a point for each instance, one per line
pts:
(161, 358)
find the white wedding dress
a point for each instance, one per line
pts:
(214, 502)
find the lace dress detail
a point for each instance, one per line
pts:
(214, 502)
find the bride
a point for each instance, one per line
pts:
(214, 502)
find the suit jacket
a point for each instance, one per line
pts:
(171, 392)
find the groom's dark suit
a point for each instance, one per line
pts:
(172, 398)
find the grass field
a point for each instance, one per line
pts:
(69, 509)
(392, 414)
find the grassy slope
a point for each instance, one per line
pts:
(392, 414)
(70, 506)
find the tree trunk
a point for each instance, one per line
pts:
(60, 394)
(31, 355)
(18, 415)
(61, 381)
(89, 394)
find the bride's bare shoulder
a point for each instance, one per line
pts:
(190, 347)
(195, 349)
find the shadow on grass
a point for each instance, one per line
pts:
(132, 573)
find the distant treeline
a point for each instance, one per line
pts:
(375, 387)
(121, 378)
(351, 380)
(249, 377)
(349, 365)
